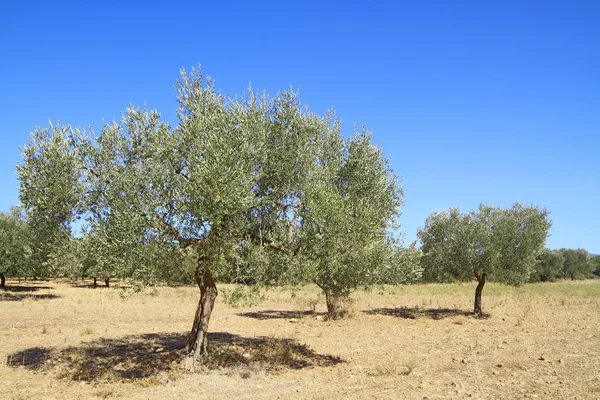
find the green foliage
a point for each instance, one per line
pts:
(51, 190)
(243, 296)
(404, 266)
(595, 262)
(14, 243)
(254, 188)
(350, 203)
(501, 244)
(549, 266)
(577, 264)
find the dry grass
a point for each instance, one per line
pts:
(58, 340)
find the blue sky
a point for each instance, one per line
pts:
(474, 101)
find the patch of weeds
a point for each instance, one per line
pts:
(245, 374)
(409, 366)
(448, 337)
(382, 370)
(243, 296)
(415, 313)
(106, 393)
(44, 330)
(88, 330)
(563, 302)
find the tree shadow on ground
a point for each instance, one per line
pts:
(19, 288)
(142, 356)
(416, 312)
(278, 314)
(6, 296)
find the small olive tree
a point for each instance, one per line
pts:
(488, 243)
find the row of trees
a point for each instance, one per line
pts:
(565, 264)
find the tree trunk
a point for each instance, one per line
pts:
(481, 279)
(197, 343)
(95, 282)
(107, 282)
(335, 304)
(2, 281)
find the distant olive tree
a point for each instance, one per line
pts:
(577, 264)
(254, 184)
(549, 266)
(489, 244)
(14, 244)
(595, 262)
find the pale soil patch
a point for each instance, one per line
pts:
(60, 341)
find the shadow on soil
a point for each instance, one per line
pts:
(414, 313)
(19, 288)
(7, 296)
(142, 356)
(278, 314)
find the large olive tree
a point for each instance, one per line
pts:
(488, 243)
(237, 183)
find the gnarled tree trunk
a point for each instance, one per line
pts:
(2, 281)
(197, 343)
(95, 282)
(335, 304)
(481, 281)
(107, 282)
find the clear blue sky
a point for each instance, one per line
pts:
(474, 101)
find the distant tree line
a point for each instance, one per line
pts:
(570, 264)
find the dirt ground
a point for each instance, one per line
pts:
(68, 341)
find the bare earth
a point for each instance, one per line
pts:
(62, 340)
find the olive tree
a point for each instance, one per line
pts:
(577, 264)
(236, 182)
(349, 205)
(595, 262)
(488, 243)
(14, 244)
(549, 266)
